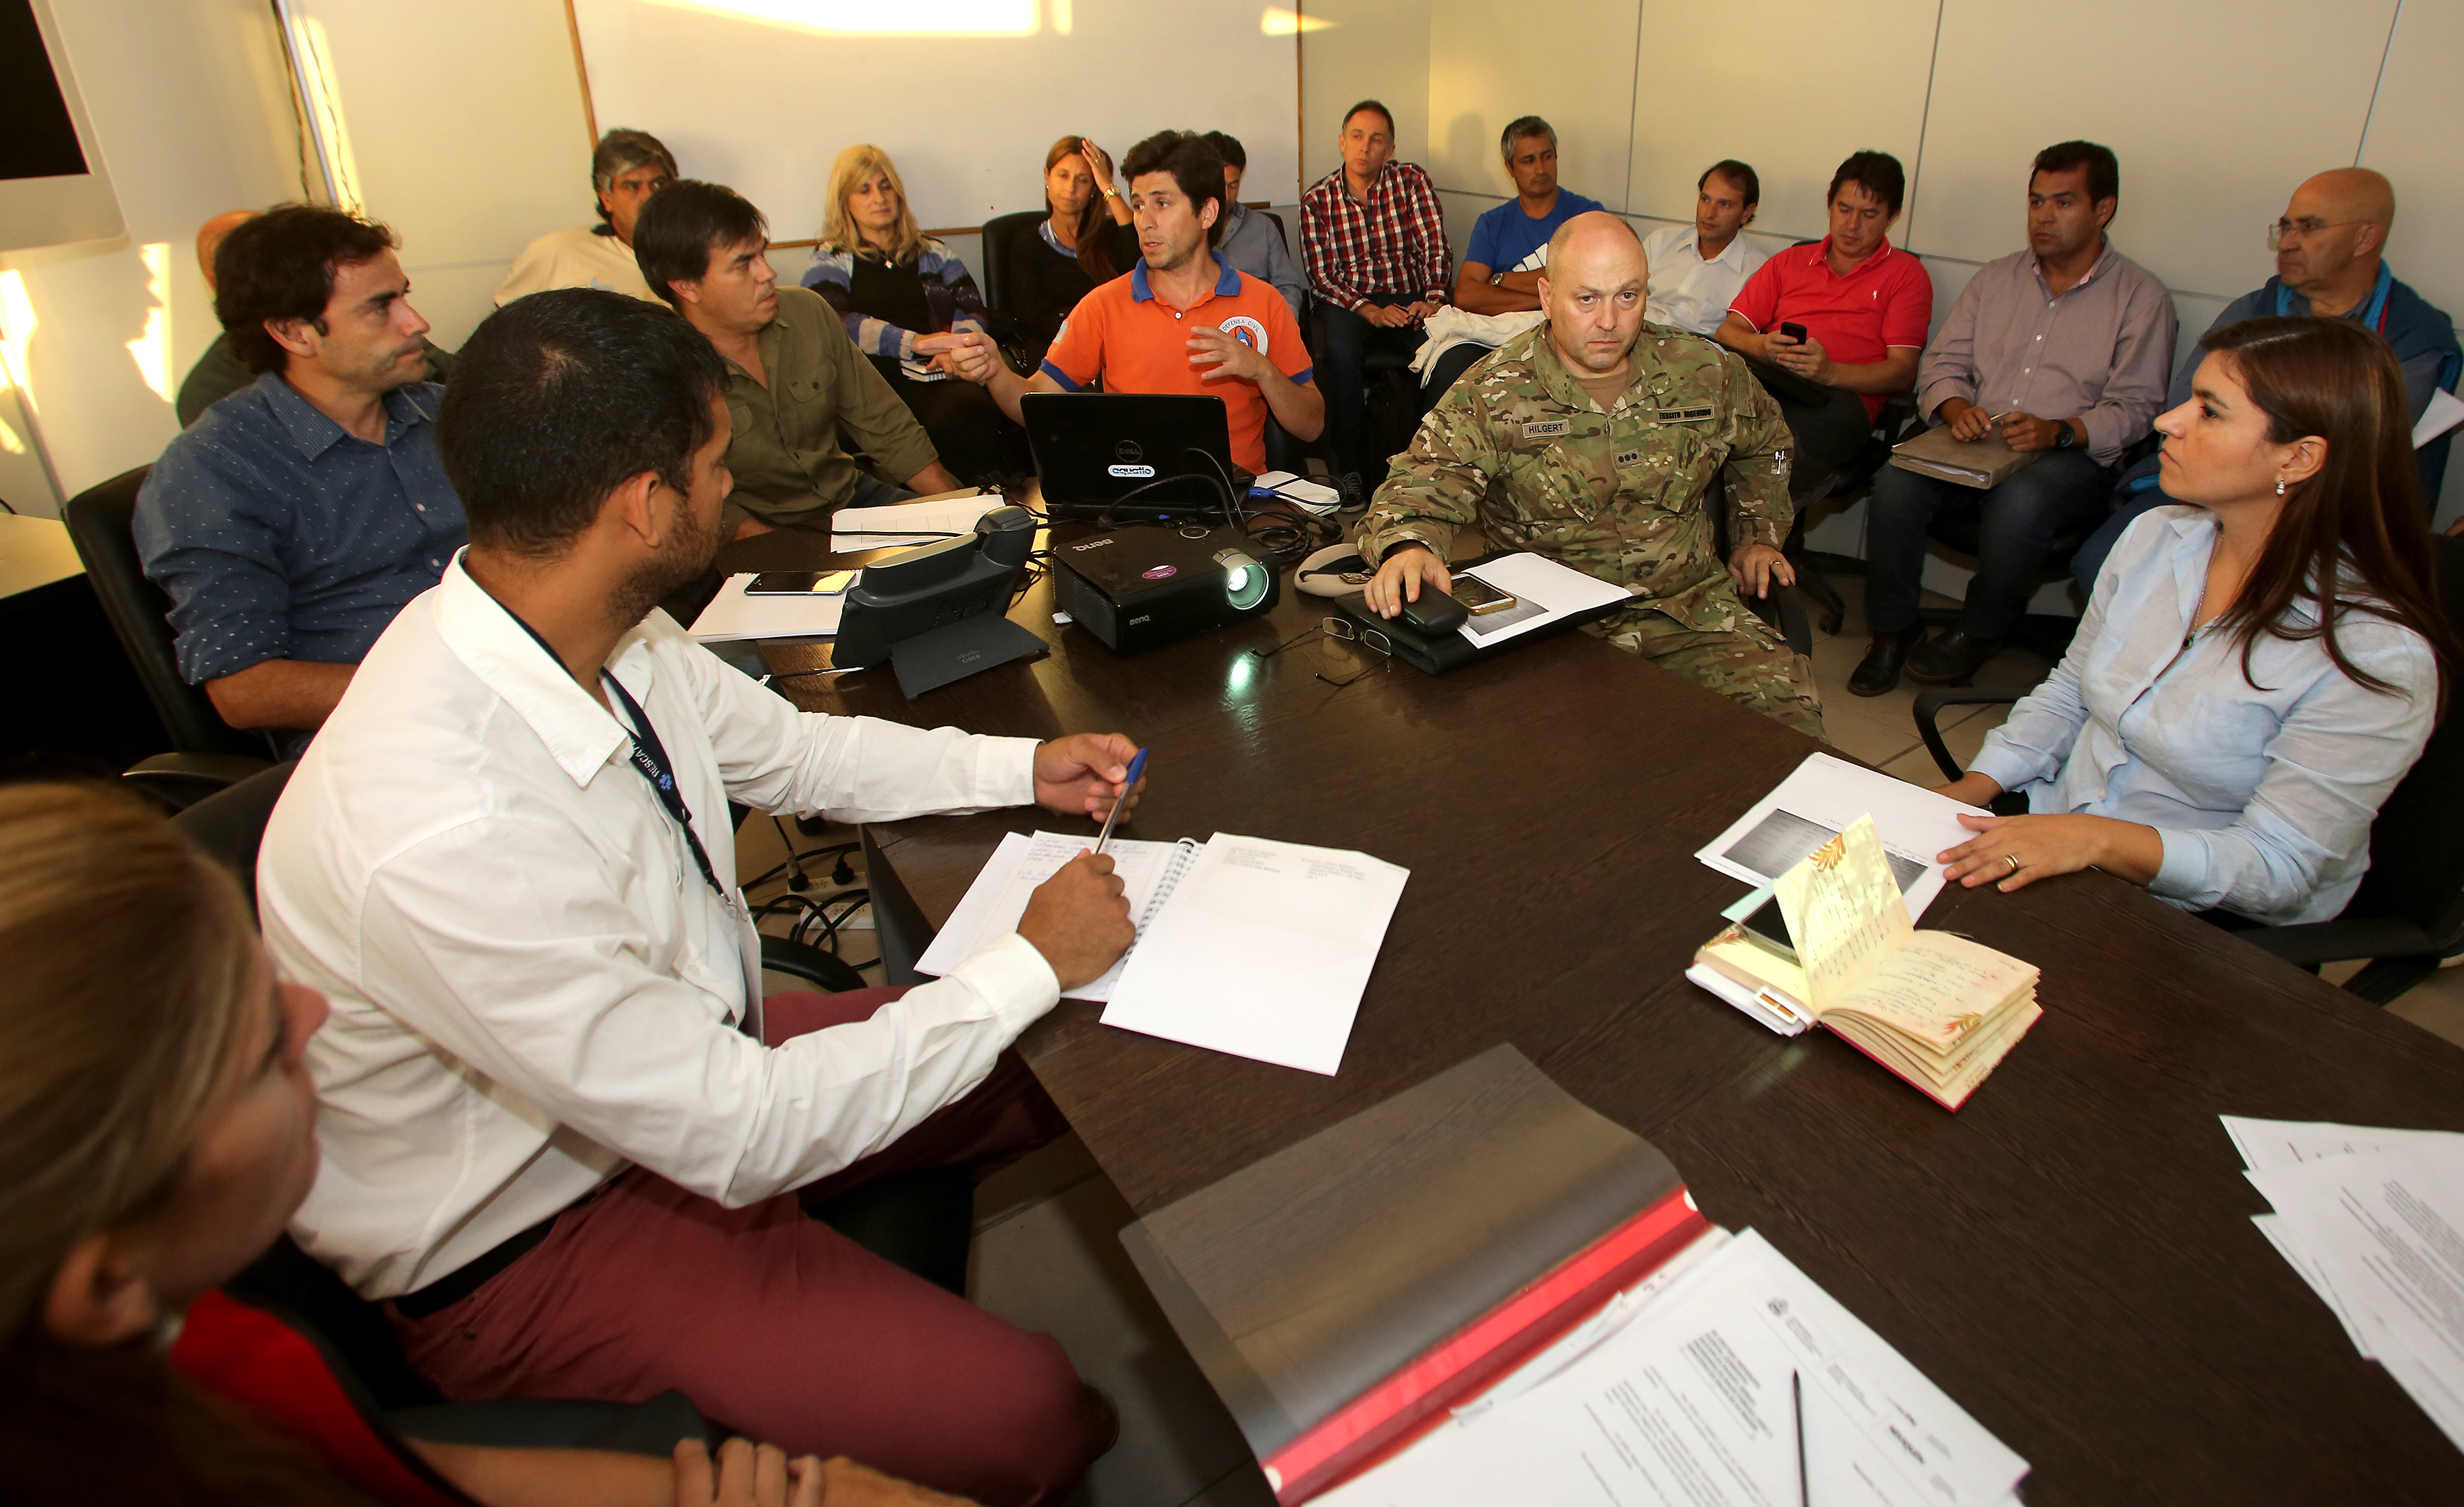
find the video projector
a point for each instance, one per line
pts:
(1136, 588)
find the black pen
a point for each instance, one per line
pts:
(1797, 1405)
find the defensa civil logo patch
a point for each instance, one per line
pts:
(1247, 331)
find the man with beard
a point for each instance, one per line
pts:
(564, 1135)
(1594, 440)
(295, 518)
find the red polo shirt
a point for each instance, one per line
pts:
(1135, 342)
(1885, 300)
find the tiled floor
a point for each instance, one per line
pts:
(1048, 1253)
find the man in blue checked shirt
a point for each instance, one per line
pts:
(292, 521)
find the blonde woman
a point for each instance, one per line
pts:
(157, 1129)
(908, 303)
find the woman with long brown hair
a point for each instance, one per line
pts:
(1084, 238)
(2257, 667)
(157, 1129)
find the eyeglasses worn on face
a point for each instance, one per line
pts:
(2283, 231)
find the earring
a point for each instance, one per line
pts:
(2279, 486)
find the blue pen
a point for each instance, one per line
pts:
(1129, 782)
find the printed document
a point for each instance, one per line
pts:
(1817, 802)
(2373, 1220)
(1544, 592)
(1700, 1400)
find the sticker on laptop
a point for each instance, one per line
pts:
(1135, 471)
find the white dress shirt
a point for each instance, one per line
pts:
(531, 984)
(1687, 291)
(2263, 795)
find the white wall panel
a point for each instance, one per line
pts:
(765, 106)
(1790, 86)
(2414, 136)
(2215, 111)
(1489, 66)
(1358, 50)
(465, 132)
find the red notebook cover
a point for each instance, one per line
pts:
(1343, 1292)
(1407, 1404)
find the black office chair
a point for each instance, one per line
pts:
(208, 753)
(2408, 913)
(996, 234)
(1784, 608)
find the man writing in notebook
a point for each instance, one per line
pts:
(1594, 440)
(562, 1134)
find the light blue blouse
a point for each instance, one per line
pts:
(2263, 797)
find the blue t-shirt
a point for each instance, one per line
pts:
(1504, 235)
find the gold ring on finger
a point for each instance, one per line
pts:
(2012, 859)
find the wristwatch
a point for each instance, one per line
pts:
(1110, 193)
(2064, 436)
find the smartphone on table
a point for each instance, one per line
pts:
(1479, 597)
(800, 583)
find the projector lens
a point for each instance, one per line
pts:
(1245, 582)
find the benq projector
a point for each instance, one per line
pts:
(1136, 588)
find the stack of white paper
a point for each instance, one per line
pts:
(2373, 1219)
(734, 615)
(903, 525)
(1738, 1383)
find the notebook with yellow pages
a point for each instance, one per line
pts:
(1938, 1010)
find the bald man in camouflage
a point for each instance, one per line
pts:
(1592, 440)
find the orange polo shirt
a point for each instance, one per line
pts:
(1135, 342)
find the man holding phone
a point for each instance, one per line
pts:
(1842, 320)
(2060, 349)
(1594, 440)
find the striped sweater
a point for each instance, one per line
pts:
(949, 294)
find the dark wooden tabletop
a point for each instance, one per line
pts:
(2070, 1256)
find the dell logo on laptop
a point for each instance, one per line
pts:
(1127, 450)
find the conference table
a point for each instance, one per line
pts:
(2070, 1256)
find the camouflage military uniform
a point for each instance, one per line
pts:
(1518, 447)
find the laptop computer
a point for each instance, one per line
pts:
(1093, 451)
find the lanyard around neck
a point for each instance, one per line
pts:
(649, 758)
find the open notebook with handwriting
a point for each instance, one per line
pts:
(1936, 1009)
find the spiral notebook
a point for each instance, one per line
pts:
(1149, 873)
(1246, 944)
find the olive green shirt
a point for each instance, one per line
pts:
(220, 372)
(1518, 447)
(790, 466)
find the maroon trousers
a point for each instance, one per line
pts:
(780, 1327)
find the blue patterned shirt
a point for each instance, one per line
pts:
(279, 535)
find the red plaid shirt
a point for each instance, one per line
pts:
(1393, 243)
